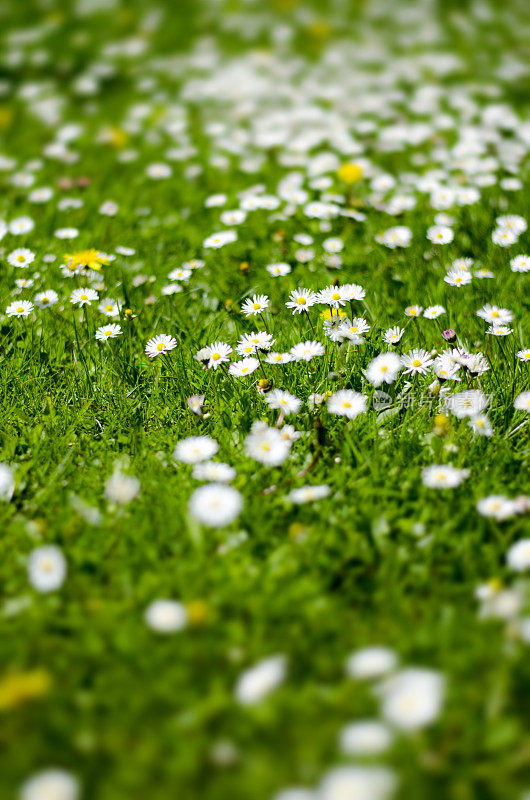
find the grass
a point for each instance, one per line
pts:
(381, 560)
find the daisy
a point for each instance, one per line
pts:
(301, 299)
(446, 368)
(195, 449)
(440, 234)
(371, 662)
(7, 482)
(499, 330)
(66, 233)
(283, 401)
(20, 308)
(331, 296)
(442, 476)
(215, 505)
(255, 305)
(21, 225)
(458, 278)
(279, 269)
(476, 363)
(45, 299)
(308, 493)
(305, 351)
(522, 402)
(121, 489)
(289, 433)
(22, 257)
(416, 361)
(166, 616)
(518, 556)
(495, 315)
(462, 264)
(278, 358)
(51, 784)
(399, 236)
(497, 506)
(24, 283)
(467, 404)
(512, 222)
(255, 683)
(217, 240)
(46, 568)
(347, 403)
(333, 245)
(524, 355)
(480, 424)
(352, 291)
(194, 263)
(483, 273)
(433, 312)
(108, 332)
(413, 311)
(353, 329)
(218, 353)
(158, 171)
(251, 342)
(503, 237)
(160, 344)
(244, 367)
(393, 335)
(195, 403)
(520, 264)
(365, 738)
(109, 307)
(362, 781)
(83, 297)
(384, 368)
(170, 289)
(179, 274)
(266, 445)
(213, 471)
(412, 698)
(233, 217)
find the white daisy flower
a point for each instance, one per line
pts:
(46, 568)
(22, 257)
(46, 299)
(162, 343)
(347, 403)
(300, 300)
(384, 368)
(83, 297)
(20, 308)
(108, 332)
(443, 476)
(283, 401)
(166, 616)
(245, 367)
(194, 449)
(215, 505)
(416, 362)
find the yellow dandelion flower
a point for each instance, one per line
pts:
(19, 687)
(350, 173)
(91, 259)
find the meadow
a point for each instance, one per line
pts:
(264, 443)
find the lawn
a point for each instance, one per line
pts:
(264, 445)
